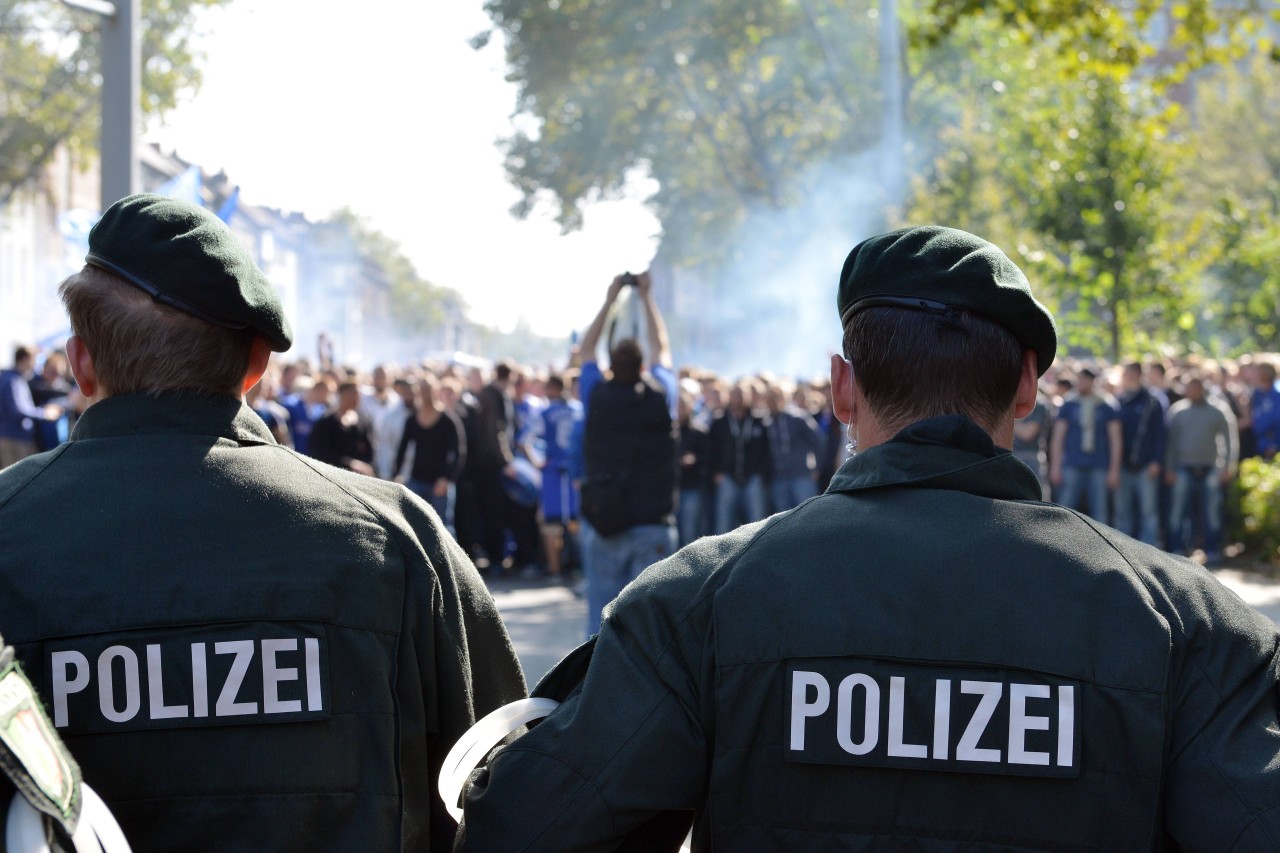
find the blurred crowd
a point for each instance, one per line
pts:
(496, 448)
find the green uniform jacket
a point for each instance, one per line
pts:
(245, 649)
(926, 657)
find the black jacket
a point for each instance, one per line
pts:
(927, 657)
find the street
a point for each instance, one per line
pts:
(546, 620)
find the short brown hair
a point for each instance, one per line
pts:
(140, 345)
(911, 365)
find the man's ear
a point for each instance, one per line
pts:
(259, 356)
(1028, 382)
(81, 362)
(842, 389)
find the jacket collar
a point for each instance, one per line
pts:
(172, 412)
(949, 452)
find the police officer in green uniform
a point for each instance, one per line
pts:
(926, 657)
(245, 649)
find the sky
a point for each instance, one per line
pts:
(383, 106)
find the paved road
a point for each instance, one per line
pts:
(547, 621)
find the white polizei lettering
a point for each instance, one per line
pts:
(967, 749)
(227, 706)
(1020, 723)
(272, 675)
(1066, 725)
(897, 713)
(844, 714)
(801, 708)
(942, 719)
(155, 688)
(106, 684)
(199, 682)
(62, 687)
(315, 702)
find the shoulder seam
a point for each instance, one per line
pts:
(43, 465)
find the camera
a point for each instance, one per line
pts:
(629, 280)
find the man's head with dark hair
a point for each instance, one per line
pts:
(911, 365)
(555, 386)
(626, 360)
(502, 372)
(1131, 376)
(937, 322)
(1266, 373)
(23, 358)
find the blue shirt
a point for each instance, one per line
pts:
(1073, 452)
(1265, 408)
(558, 421)
(17, 411)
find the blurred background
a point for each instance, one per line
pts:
(462, 175)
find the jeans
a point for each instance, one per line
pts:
(790, 492)
(442, 504)
(1145, 490)
(1201, 489)
(611, 562)
(689, 515)
(740, 503)
(1077, 483)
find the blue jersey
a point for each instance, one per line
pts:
(558, 420)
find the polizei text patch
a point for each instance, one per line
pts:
(931, 717)
(248, 673)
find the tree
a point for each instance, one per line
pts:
(1072, 171)
(50, 67)
(1231, 199)
(726, 104)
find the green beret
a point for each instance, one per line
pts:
(935, 269)
(186, 257)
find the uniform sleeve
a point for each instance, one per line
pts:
(455, 649)
(1223, 777)
(628, 751)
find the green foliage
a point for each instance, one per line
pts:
(724, 103)
(1258, 488)
(1231, 199)
(1072, 171)
(1114, 38)
(51, 76)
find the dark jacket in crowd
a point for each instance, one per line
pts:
(494, 429)
(739, 447)
(793, 439)
(694, 455)
(1142, 420)
(338, 444)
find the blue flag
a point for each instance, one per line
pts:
(228, 208)
(185, 186)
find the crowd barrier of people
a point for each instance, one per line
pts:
(497, 451)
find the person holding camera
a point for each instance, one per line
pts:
(629, 449)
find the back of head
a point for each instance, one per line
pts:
(170, 300)
(626, 360)
(912, 366)
(140, 345)
(936, 321)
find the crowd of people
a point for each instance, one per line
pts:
(497, 449)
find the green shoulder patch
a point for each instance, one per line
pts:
(31, 753)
